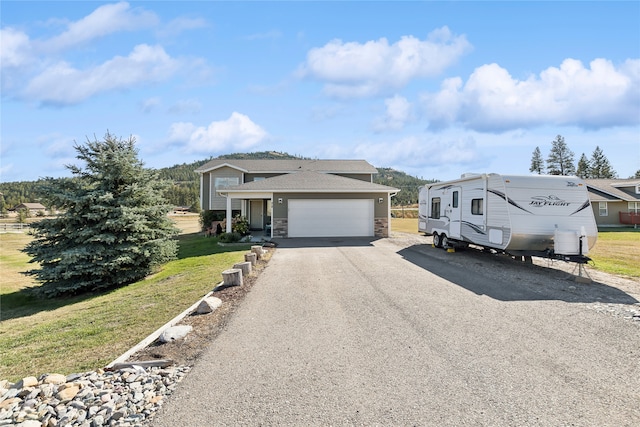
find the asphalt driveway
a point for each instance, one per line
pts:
(393, 333)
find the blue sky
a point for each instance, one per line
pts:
(435, 89)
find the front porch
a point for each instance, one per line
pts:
(257, 210)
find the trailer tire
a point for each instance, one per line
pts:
(437, 242)
(444, 241)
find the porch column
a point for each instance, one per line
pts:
(229, 219)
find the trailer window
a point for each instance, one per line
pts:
(477, 207)
(454, 202)
(435, 208)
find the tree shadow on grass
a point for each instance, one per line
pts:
(196, 245)
(26, 302)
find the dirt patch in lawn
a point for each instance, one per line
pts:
(206, 327)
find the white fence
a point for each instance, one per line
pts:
(14, 227)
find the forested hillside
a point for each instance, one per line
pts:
(409, 185)
(186, 182)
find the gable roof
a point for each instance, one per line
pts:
(30, 206)
(286, 166)
(310, 182)
(613, 189)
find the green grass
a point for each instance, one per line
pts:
(82, 333)
(615, 252)
(405, 225)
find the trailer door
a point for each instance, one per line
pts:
(455, 212)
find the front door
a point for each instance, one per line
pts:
(256, 218)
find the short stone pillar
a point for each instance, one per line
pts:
(232, 277)
(251, 257)
(244, 266)
(257, 250)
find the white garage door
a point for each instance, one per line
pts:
(330, 217)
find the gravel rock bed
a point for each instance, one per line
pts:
(126, 397)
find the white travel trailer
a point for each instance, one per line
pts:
(538, 215)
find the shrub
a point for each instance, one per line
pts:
(229, 237)
(240, 225)
(207, 217)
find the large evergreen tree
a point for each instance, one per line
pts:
(560, 160)
(584, 168)
(537, 162)
(113, 229)
(599, 166)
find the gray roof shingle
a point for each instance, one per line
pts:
(285, 166)
(311, 182)
(623, 189)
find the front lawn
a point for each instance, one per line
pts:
(82, 333)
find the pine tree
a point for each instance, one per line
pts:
(3, 206)
(113, 229)
(560, 160)
(584, 168)
(600, 166)
(537, 162)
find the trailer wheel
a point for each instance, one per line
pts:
(437, 242)
(445, 241)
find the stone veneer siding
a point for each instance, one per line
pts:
(280, 227)
(381, 227)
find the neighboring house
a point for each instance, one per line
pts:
(615, 202)
(32, 208)
(299, 198)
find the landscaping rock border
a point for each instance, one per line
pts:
(123, 398)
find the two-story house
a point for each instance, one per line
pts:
(299, 198)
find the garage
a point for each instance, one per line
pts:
(331, 217)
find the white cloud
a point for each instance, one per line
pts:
(58, 146)
(354, 69)
(40, 69)
(421, 151)
(398, 113)
(150, 104)
(238, 132)
(15, 47)
(106, 19)
(178, 25)
(6, 168)
(571, 95)
(62, 84)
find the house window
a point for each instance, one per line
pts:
(454, 202)
(602, 209)
(226, 182)
(477, 206)
(634, 207)
(259, 178)
(435, 208)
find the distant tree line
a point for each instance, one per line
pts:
(561, 161)
(185, 182)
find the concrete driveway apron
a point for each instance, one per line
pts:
(360, 332)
